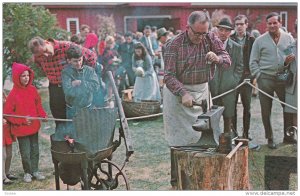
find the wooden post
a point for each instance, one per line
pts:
(198, 170)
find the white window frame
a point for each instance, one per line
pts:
(76, 20)
(286, 19)
(139, 17)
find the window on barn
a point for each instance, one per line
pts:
(284, 18)
(73, 25)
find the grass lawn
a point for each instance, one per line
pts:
(149, 167)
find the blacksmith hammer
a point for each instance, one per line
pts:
(240, 142)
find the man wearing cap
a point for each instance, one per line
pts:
(162, 35)
(162, 38)
(242, 37)
(187, 72)
(227, 79)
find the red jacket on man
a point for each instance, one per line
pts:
(24, 101)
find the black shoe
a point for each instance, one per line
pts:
(289, 140)
(271, 144)
(7, 181)
(11, 177)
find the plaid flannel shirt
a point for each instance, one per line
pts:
(52, 66)
(185, 62)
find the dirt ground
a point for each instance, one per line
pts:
(148, 168)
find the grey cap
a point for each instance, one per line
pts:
(161, 32)
(225, 23)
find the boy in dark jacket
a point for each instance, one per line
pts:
(79, 82)
(24, 100)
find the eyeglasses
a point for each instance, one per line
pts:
(239, 24)
(198, 33)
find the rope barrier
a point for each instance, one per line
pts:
(246, 81)
(70, 120)
(38, 118)
(249, 83)
(143, 117)
(229, 91)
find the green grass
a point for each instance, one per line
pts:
(149, 167)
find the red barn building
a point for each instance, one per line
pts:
(134, 16)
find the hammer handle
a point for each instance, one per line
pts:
(234, 150)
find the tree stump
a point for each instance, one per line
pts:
(198, 170)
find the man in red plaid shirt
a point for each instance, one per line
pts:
(189, 60)
(50, 56)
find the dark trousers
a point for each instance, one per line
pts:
(57, 102)
(131, 75)
(29, 150)
(245, 92)
(269, 85)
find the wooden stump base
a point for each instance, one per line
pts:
(198, 170)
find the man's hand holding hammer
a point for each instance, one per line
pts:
(187, 100)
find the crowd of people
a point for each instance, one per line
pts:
(193, 62)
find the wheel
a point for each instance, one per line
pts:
(106, 175)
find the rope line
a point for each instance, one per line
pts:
(38, 118)
(70, 120)
(246, 81)
(249, 83)
(229, 91)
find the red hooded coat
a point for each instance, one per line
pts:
(8, 139)
(25, 101)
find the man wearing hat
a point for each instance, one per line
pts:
(162, 38)
(227, 79)
(162, 35)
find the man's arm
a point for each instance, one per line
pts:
(89, 56)
(170, 76)
(254, 60)
(90, 83)
(67, 79)
(218, 48)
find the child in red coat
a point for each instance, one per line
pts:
(24, 100)
(8, 139)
